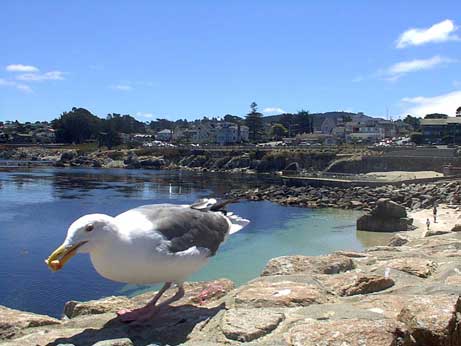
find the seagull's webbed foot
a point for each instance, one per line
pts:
(141, 314)
(147, 312)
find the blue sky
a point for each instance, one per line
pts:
(187, 59)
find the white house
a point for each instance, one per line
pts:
(165, 135)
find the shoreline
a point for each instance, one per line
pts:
(383, 291)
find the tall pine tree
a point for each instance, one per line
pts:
(254, 122)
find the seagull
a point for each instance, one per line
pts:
(158, 243)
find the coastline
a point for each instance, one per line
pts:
(405, 293)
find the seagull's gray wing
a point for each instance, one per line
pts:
(186, 227)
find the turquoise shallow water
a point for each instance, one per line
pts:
(38, 205)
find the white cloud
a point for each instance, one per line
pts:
(21, 68)
(122, 87)
(52, 75)
(273, 110)
(144, 115)
(420, 105)
(19, 86)
(440, 32)
(397, 70)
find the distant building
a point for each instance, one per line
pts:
(328, 125)
(165, 135)
(230, 133)
(366, 131)
(316, 138)
(439, 131)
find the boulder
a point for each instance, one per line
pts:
(380, 224)
(12, 322)
(387, 216)
(432, 233)
(347, 332)
(398, 240)
(387, 208)
(456, 228)
(245, 325)
(433, 320)
(420, 267)
(350, 284)
(329, 264)
(285, 293)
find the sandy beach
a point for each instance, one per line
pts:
(447, 217)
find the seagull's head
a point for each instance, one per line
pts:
(84, 235)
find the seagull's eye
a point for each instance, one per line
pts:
(89, 227)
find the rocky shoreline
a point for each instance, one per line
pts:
(232, 161)
(406, 293)
(411, 196)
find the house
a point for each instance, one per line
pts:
(165, 135)
(316, 138)
(364, 131)
(327, 126)
(230, 133)
(438, 131)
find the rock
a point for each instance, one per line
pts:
(456, 228)
(115, 342)
(217, 289)
(68, 156)
(12, 322)
(350, 284)
(387, 208)
(329, 264)
(432, 233)
(132, 161)
(347, 332)
(245, 325)
(263, 294)
(110, 304)
(415, 266)
(355, 204)
(433, 320)
(387, 216)
(398, 240)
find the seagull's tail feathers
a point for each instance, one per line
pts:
(236, 223)
(204, 204)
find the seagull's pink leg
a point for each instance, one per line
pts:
(128, 315)
(209, 292)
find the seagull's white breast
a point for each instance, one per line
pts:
(139, 255)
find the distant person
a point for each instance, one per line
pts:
(428, 223)
(434, 212)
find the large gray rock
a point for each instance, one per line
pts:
(380, 224)
(387, 208)
(387, 216)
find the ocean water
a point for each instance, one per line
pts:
(37, 206)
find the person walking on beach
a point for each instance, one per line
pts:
(428, 223)
(434, 212)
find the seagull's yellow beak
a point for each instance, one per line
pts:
(61, 255)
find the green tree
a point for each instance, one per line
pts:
(76, 126)
(254, 122)
(413, 122)
(303, 122)
(458, 112)
(436, 116)
(233, 119)
(278, 131)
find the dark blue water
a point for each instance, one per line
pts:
(38, 205)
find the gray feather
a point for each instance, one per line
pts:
(187, 227)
